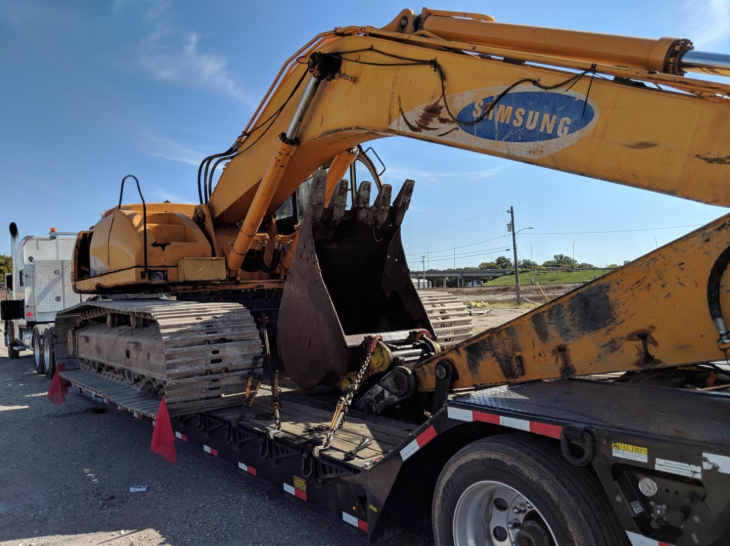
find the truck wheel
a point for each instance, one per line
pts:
(49, 353)
(38, 351)
(12, 353)
(514, 490)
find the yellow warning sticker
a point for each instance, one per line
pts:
(373, 508)
(632, 453)
(300, 483)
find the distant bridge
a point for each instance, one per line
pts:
(463, 277)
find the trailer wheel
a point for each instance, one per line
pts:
(514, 490)
(38, 351)
(12, 353)
(49, 353)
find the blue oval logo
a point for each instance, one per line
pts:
(527, 116)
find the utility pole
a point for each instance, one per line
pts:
(574, 255)
(455, 256)
(514, 249)
(423, 264)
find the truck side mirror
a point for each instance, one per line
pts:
(9, 281)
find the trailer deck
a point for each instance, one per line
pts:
(677, 437)
(301, 417)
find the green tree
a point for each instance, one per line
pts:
(6, 266)
(586, 266)
(488, 265)
(503, 263)
(562, 259)
(528, 264)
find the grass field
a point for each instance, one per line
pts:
(549, 277)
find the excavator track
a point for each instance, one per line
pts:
(198, 355)
(449, 317)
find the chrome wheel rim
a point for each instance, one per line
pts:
(493, 513)
(37, 351)
(47, 357)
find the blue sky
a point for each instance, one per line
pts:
(94, 90)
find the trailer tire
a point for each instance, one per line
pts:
(49, 353)
(38, 350)
(12, 353)
(493, 482)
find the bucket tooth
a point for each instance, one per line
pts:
(338, 202)
(362, 202)
(381, 207)
(400, 205)
(315, 205)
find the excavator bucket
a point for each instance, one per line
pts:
(349, 279)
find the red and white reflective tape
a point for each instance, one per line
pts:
(356, 522)
(250, 469)
(543, 429)
(137, 415)
(181, 436)
(294, 491)
(213, 451)
(640, 540)
(420, 441)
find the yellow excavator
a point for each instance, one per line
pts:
(283, 252)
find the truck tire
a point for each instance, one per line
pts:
(49, 353)
(38, 350)
(12, 353)
(513, 489)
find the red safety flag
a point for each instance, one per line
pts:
(59, 389)
(163, 437)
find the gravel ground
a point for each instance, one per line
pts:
(65, 474)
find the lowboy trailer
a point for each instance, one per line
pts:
(593, 451)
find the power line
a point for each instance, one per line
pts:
(471, 255)
(611, 231)
(454, 223)
(455, 247)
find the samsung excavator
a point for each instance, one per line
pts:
(599, 418)
(274, 250)
(285, 260)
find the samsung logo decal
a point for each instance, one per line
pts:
(525, 122)
(527, 116)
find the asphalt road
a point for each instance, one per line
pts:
(65, 474)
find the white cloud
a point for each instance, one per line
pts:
(173, 56)
(709, 21)
(438, 176)
(166, 148)
(172, 150)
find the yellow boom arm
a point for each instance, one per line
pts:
(539, 96)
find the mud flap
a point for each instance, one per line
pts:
(349, 278)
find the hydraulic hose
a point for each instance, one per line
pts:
(203, 193)
(713, 294)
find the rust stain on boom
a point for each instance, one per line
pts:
(625, 320)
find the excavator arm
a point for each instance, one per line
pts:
(629, 124)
